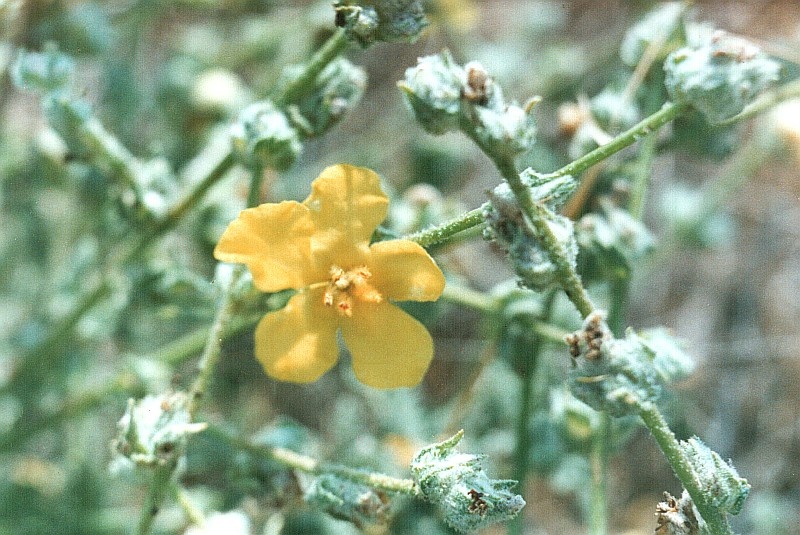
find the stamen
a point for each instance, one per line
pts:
(346, 287)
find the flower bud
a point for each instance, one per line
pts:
(507, 225)
(368, 21)
(45, 71)
(348, 500)
(611, 241)
(433, 91)
(153, 430)
(609, 374)
(336, 91)
(719, 77)
(719, 481)
(262, 134)
(458, 485)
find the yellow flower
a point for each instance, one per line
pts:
(320, 247)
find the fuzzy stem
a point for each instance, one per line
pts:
(473, 218)
(598, 463)
(445, 231)
(716, 520)
(329, 51)
(470, 298)
(536, 216)
(207, 365)
(645, 127)
(162, 481)
(210, 357)
(304, 463)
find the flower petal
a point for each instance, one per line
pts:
(349, 199)
(404, 271)
(298, 342)
(274, 241)
(390, 349)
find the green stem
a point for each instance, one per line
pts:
(106, 147)
(598, 464)
(208, 362)
(645, 127)
(470, 298)
(716, 521)
(304, 463)
(329, 51)
(537, 216)
(210, 357)
(641, 179)
(447, 230)
(473, 218)
(188, 346)
(44, 353)
(527, 374)
(177, 212)
(162, 480)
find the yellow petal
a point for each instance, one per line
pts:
(298, 342)
(349, 199)
(274, 241)
(390, 349)
(402, 270)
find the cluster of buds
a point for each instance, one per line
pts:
(447, 97)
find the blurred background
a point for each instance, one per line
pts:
(168, 77)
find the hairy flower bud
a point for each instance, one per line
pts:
(336, 91)
(456, 482)
(348, 500)
(610, 374)
(367, 21)
(262, 134)
(446, 97)
(153, 430)
(719, 481)
(507, 225)
(719, 77)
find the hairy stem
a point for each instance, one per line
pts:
(663, 435)
(304, 463)
(645, 127)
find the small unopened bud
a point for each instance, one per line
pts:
(153, 430)
(45, 71)
(350, 501)
(720, 77)
(368, 21)
(336, 91)
(719, 481)
(433, 90)
(459, 486)
(610, 374)
(262, 134)
(507, 226)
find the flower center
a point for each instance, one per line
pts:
(346, 287)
